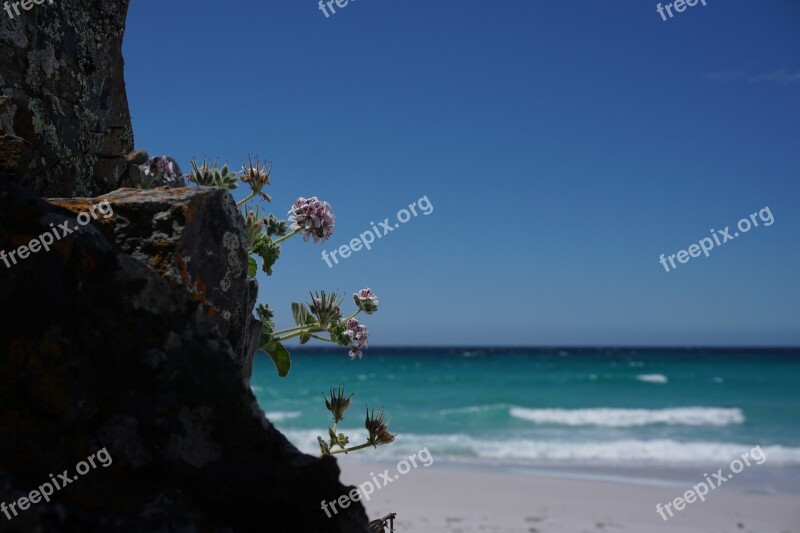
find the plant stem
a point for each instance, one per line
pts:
(246, 200)
(300, 331)
(311, 329)
(354, 448)
(352, 316)
(287, 337)
(287, 330)
(292, 234)
(322, 339)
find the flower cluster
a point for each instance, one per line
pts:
(366, 301)
(160, 168)
(313, 217)
(357, 335)
(347, 332)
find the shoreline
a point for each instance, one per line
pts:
(763, 479)
(445, 497)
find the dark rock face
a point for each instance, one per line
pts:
(108, 340)
(64, 120)
(193, 238)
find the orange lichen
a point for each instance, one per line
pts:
(189, 212)
(184, 271)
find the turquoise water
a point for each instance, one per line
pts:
(589, 408)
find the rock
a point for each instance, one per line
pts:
(62, 96)
(193, 238)
(107, 342)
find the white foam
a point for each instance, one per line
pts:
(279, 416)
(652, 378)
(608, 417)
(473, 409)
(654, 452)
(631, 452)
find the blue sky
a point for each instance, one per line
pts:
(564, 147)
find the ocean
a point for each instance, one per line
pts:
(649, 416)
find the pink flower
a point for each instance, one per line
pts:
(160, 167)
(366, 301)
(313, 217)
(357, 334)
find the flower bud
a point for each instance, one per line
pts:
(337, 404)
(378, 430)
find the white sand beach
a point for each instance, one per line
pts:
(443, 499)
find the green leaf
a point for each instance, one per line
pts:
(337, 330)
(265, 315)
(269, 253)
(252, 266)
(280, 356)
(299, 313)
(276, 227)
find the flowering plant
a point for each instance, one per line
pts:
(314, 219)
(321, 318)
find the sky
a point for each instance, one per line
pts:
(563, 146)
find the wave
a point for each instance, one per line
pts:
(279, 416)
(632, 452)
(652, 452)
(617, 418)
(610, 417)
(474, 409)
(652, 378)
